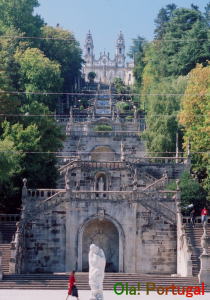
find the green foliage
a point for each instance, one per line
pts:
(35, 66)
(9, 161)
(137, 51)
(161, 119)
(122, 106)
(191, 192)
(19, 14)
(162, 19)
(103, 127)
(65, 50)
(119, 86)
(91, 76)
(50, 133)
(194, 117)
(39, 74)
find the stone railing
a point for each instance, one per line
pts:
(9, 217)
(71, 164)
(47, 204)
(155, 201)
(187, 220)
(96, 164)
(16, 263)
(173, 160)
(204, 274)
(184, 247)
(158, 184)
(1, 272)
(119, 133)
(40, 194)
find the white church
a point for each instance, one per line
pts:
(105, 68)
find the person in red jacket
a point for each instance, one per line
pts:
(204, 214)
(72, 289)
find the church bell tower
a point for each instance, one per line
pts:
(89, 56)
(120, 50)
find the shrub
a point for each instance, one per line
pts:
(103, 127)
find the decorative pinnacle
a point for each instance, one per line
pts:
(24, 182)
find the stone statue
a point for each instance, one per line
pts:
(67, 180)
(101, 187)
(135, 180)
(97, 262)
(1, 272)
(122, 151)
(135, 113)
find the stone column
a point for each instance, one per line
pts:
(1, 273)
(204, 274)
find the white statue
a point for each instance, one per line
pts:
(97, 262)
(101, 186)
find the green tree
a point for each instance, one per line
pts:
(191, 192)
(194, 116)
(91, 76)
(137, 53)
(9, 161)
(63, 48)
(19, 14)
(51, 136)
(162, 106)
(39, 75)
(162, 19)
(207, 13)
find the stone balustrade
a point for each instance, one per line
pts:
(42, 193)
(104, 133)
(187, 220)
(163, 159)
(1, 272)
(157, 184)
(9, 217)
(121, 195)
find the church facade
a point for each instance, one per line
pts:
(105, 68)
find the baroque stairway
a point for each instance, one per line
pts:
(60, 281)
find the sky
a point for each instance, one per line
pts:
(106, 18)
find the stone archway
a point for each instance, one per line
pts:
(105, 234)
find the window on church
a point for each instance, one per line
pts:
(88, 50)
(120, 50)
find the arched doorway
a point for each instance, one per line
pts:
(104, 234)
(102, 153)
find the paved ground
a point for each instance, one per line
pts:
(84, 295)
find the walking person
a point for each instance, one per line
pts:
(204, 215)
(72, 289)
(192, 217)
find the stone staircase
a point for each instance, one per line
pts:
(195, 234)
(60, 281)
(6, 253)
(7, 231)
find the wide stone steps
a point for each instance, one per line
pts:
(7, 231)
(6, 253)
(60, 281)
(195, 234)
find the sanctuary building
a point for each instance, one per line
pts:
(107, 69)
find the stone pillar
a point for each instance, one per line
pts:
(204, 274)
(1, 272)
(24, 198)
(184, 249)
(177, 148)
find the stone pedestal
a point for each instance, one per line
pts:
(204, 274)
(1, 273)
(97, 264)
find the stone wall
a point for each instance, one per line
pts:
(56, 241)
